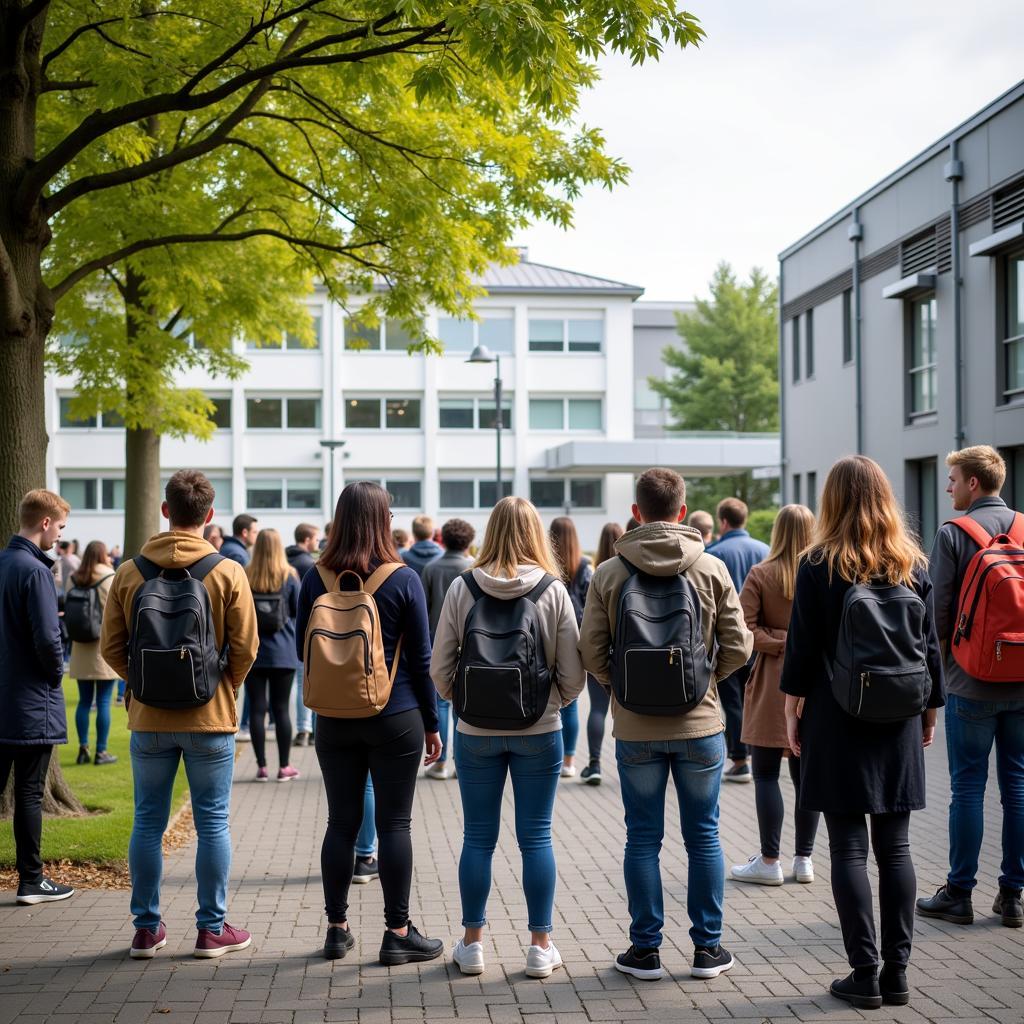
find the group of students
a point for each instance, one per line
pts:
(854, 633)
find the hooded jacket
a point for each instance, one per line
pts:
(420, 555)
(299, 559)
(667, 549)
(234, 549)
(234, 621)
(559, 633)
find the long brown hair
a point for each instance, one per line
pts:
(791, 534)
(95, 555)
(515, 536)
(565, 546)
(861, 533)
(360, 536)
(610, 533)
(269, 567)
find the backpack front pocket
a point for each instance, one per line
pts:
(654, 680)
(330, 683)
(879, 695)
(493, 693)
(168, 676)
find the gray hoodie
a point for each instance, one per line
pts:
(558, 631)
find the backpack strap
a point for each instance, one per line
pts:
(380, 575)
(1016, 530)
(973, 529)
(545, 581)
(630, 567)
(147, 570)
(201, 569)
(327, 577)
(471, 584)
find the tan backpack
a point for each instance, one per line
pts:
(344, 673)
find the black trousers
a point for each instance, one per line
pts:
(897, 885)
(599, 701)
(390, 748)
(771, 808)
(730, 692)
(278, 682)
(30, 765)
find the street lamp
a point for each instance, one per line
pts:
(482, 354)
(330, 446)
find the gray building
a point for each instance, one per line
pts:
(654, 330)
(880, 350)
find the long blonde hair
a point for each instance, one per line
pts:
(269, 567)
(515, 536)
(861, 533)
(791, 534)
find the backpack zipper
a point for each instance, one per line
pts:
(1008, 643)
(865, 683)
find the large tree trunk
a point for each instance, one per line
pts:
(59, 801)
(142, 489)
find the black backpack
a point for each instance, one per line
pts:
(502, 680)
(83, 615)
(271, 612)
(880, 672)
(173, 661)
(659, 662)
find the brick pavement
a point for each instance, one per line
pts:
(68, 962)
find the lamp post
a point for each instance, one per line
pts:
(482, 354)
(331, 446)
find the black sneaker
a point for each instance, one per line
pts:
(338, 942)
(1009, 907)
(366, 870)
(408, 949)
(641, 963)
(43, 891)
(739, 773)
(947, 907)
(105, 757)
(710, 963)
(591, 775)
(892, 983)
(864, 994)
(83, 756)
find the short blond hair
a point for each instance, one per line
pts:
(702, 521)
(423, 528)
(38, 505)
(982, 461)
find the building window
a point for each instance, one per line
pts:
(1013, 488)
(566, 335)
(922, 374)
(359, 336)
(495, 329)
(382, 413)
(923, 489)
(809, 343)
(220, 416)
(1013, 342)
(403, 493)
(472, 413)
(93, 494)
(812, 491)
(104, 420)
(288, 341)
(796, 488)
(283, 493)
(795, 328)
(849, 326)
(269, 412)
(472, 494)
(566, 413)
(551, 492)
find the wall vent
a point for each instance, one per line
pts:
(1008, 205)
(918, 253)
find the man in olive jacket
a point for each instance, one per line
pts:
(690, 747)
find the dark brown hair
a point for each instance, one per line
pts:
(304, 531)
(734, 512)
(95, 554)
(660, 494)
(242, 522)
(457, 534)
(189, 495)
(565, 544)
(360, 537)
(610, 533)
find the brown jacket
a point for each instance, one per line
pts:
(234, 620)
(666, 549)
(86, 660)
(767, 613)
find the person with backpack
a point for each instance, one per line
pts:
(767, 602)
(862, 652)
(238, 547)
(662, 623)
(424, 548)
(437, 577)
(575, 571)
(275, 592)
(363, 634)
(301, 559)
(977, 570)
(180, 627)
(506, 653)
(83, 619)
(31, 683)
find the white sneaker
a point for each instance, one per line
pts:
(438, 770)
(242, 736)
(540, 962)
(803, 869)
(568, 771)
(755, 870)
(469, 958)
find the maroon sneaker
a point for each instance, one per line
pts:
(210, 944)
(146, 943)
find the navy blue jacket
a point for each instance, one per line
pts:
(421, 554)
(740, 552)
(234, 549)
(278, 651)
(299, 559)
(403, 613)
(31, 653)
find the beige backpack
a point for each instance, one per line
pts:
(344, 673)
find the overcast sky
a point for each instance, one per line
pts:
(787, 111)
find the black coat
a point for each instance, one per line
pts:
(31, 652)
(299, 559)
(848, 766)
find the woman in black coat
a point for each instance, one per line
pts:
(859, 772)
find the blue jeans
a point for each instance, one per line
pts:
(303, 716)
(696, 769)
(366, 841)
(444, 721)
(570, 728)
(971, 728)
(483, 762)
(209, 766)
(104, 690)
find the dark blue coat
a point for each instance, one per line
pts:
(234, 549)
(278, 651)
(421, 554)
(740, 552)
(31, 653)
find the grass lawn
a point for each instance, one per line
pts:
(102, 836)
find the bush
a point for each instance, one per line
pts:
(760, 523)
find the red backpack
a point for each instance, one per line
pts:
(989, 639)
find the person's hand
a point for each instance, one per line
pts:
(793, 733)
(433, 740)
(928, 727)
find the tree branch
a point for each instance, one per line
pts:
(29, 13)
(81, 83)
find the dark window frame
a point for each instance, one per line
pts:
(910, 324)
(795, 347)
(849, 328)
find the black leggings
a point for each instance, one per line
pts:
(771, 808)
(30, 764)
(279, 682)
(897, 885)
(390, 747)
(599, 700)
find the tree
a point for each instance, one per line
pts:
(725, 375)
(393, 141)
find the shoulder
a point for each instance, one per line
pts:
(708, 563)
